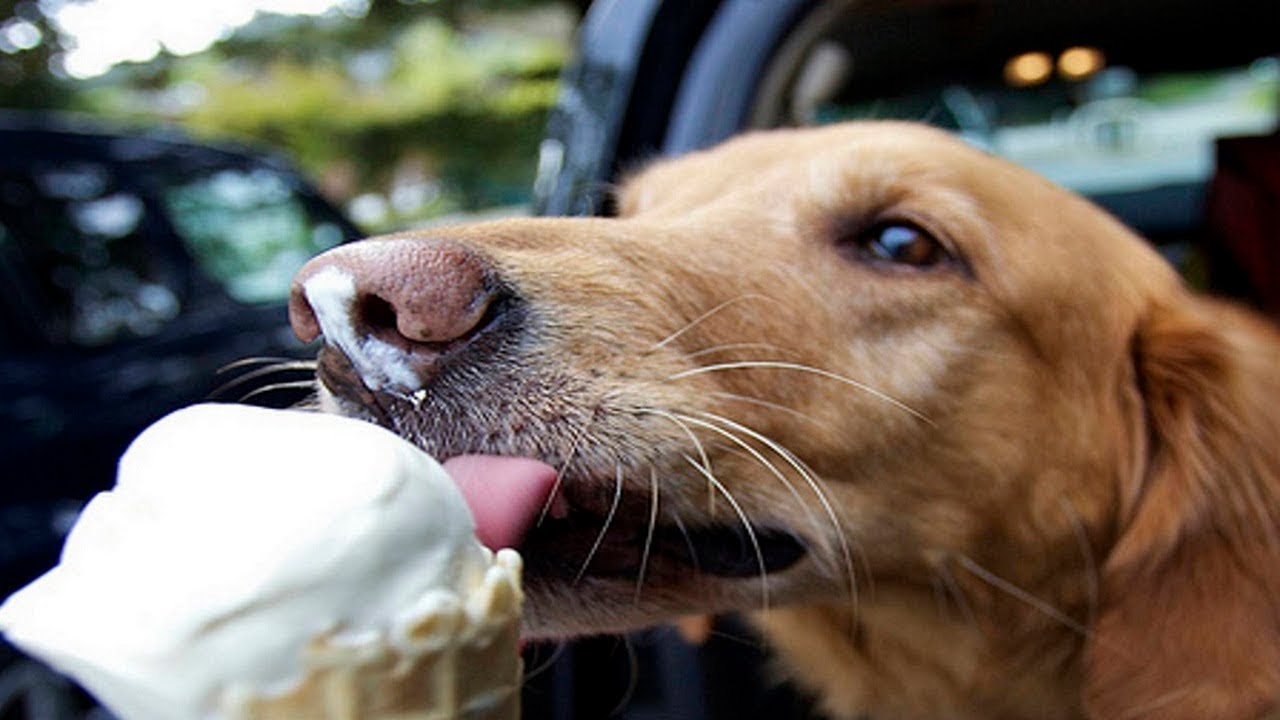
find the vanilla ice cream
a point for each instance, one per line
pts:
(238, 540)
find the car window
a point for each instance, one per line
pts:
(80, 257)
(248, 229)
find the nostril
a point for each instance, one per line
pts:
(376, 315)
(423, 316)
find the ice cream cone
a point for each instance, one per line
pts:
(446, 661)
(354, 586)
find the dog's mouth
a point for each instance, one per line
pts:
(564, 534)
(573, 527)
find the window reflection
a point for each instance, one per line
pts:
(112, 301)
(248, 230)
(109, 217)
(75, 181)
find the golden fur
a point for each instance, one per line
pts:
(1038, 480)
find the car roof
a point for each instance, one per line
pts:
(46, 135)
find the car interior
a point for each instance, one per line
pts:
(1165, 113)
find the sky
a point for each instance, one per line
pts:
(110, 31)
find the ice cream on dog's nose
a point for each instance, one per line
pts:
(243, 548)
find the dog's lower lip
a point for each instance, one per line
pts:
(731, 552)
(574, 547)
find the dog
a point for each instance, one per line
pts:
(960, 443)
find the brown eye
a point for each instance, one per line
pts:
(900, 243)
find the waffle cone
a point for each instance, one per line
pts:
(456, 661)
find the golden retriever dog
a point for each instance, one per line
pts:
(959, 443)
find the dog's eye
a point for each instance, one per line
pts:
(900, 243)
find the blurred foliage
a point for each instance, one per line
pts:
(427, 107)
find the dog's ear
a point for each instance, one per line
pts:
(1189, 623)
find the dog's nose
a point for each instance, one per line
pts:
(383, 301)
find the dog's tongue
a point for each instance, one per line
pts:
(506, 494)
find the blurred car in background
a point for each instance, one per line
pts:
(132, 268)
(1165, 112)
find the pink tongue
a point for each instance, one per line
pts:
(506, 494)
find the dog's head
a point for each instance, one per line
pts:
(809, 364)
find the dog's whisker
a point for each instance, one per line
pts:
(276, 387)
(737, 397)
(267, 360)
(705, 316)
(604, 529)
(1045, 608)
(815, 485)
(953, 589)
(648, 538)
(741, 446)
(272, 368)
(311, 403)
(939, 594)
(561, 471)
(746, 525)
(752, 642)
(1021, 595)
(729, 347)
(697, 444)
(1086, 552)
(633, 678)
(688, 542)
(758, 457)
(779, 365)
(560, 647)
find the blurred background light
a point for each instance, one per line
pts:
(1031, 68)
(1078, 63)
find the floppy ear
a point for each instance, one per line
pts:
(1189, 623)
